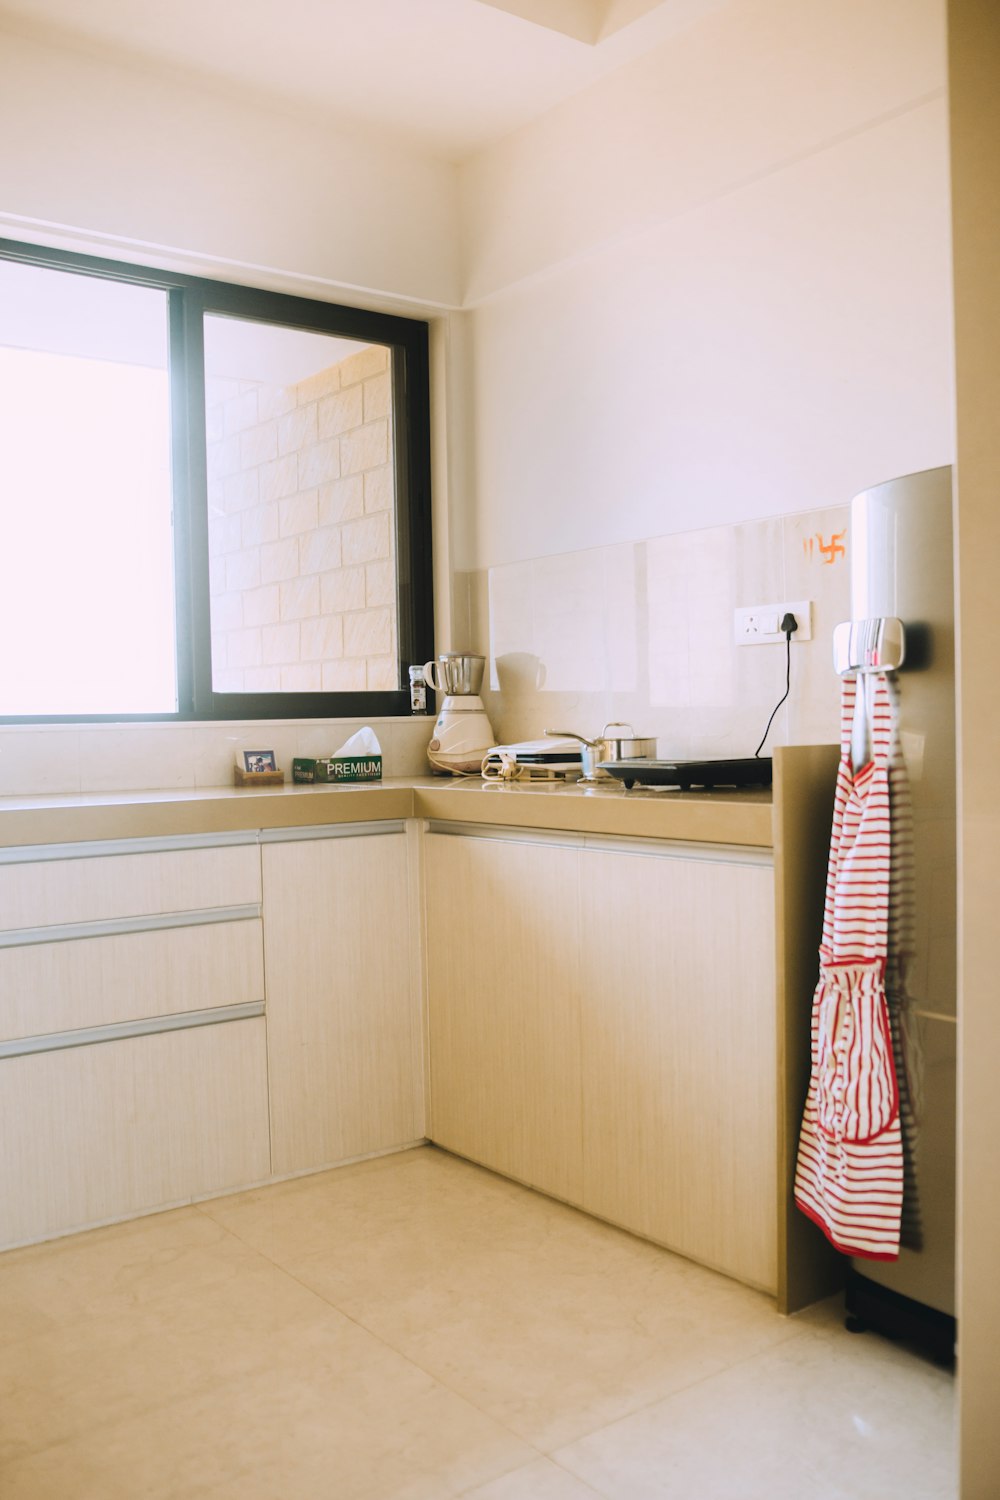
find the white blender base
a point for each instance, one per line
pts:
(462, 735)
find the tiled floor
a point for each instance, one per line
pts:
(416, 1329)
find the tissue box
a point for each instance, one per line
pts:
(358, 759)
(349, 768)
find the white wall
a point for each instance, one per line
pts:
(143, 161)
(711, 297)
(713, 289)
(740, 94)
(717, 285)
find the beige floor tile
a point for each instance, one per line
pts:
(401, 1203)
(415, 1328)
(106, 1271)
(543, 1480)
(825, 1416)
(551, 1322)
(336, 1416)
(87, 1373)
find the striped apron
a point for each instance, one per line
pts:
(849, 1177)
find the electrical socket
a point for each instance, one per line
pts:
(760, 624)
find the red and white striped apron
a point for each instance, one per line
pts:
(849, 1177)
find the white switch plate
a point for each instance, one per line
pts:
(759, 624)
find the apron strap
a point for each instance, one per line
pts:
(848, 694)
(883, 719)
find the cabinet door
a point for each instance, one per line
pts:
(678, 1037)
(503, 953)
(344, 1037)
(120, 1128)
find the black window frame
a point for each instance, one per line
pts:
(189, 300)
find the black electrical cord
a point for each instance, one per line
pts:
(789, 625)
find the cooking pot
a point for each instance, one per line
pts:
(609, 746)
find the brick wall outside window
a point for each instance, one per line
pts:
(301, 531)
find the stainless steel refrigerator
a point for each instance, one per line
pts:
(902, 566)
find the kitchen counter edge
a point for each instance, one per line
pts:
(730, 817)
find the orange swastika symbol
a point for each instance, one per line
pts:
(832, 550)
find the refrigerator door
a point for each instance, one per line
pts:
(902, 566)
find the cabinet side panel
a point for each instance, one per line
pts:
(343, 1022)
(678, 1055)
(805, 776)
(503, 941)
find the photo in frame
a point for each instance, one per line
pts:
(256, 761)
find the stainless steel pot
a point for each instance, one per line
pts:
(609, 746)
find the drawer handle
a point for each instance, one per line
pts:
(88, 1036)
(69, 932)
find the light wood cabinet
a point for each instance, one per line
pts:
(602, 1026)
(102, 980)
(132, 1041)
(613, 1020)
(96, 887)
(101, 1132)
(503, 958)
(343, 1005)
(678, 1053)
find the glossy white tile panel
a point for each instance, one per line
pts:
(512, 632)
(663, 654)
(817, 566)
(134, 757)
(565, 623)
(621, 618)
(34, 760)
(404, 745)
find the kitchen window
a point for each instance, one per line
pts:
(215, 500)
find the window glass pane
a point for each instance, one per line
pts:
(87, 612)
(301, 511)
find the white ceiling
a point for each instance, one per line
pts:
(445, 77)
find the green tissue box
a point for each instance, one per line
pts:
(349, 768)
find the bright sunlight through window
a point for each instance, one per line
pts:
(86, 560)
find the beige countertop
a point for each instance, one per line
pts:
(731, 817)
(717, 817)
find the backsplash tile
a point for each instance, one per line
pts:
(81, 758)
(134, 757)
(565, 624)
(639, 632)
(643, 633)
(43, 761)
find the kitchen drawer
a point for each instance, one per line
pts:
(98, 981)
(104, 1132)
(95, 887)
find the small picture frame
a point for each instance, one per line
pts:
(256, 761)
